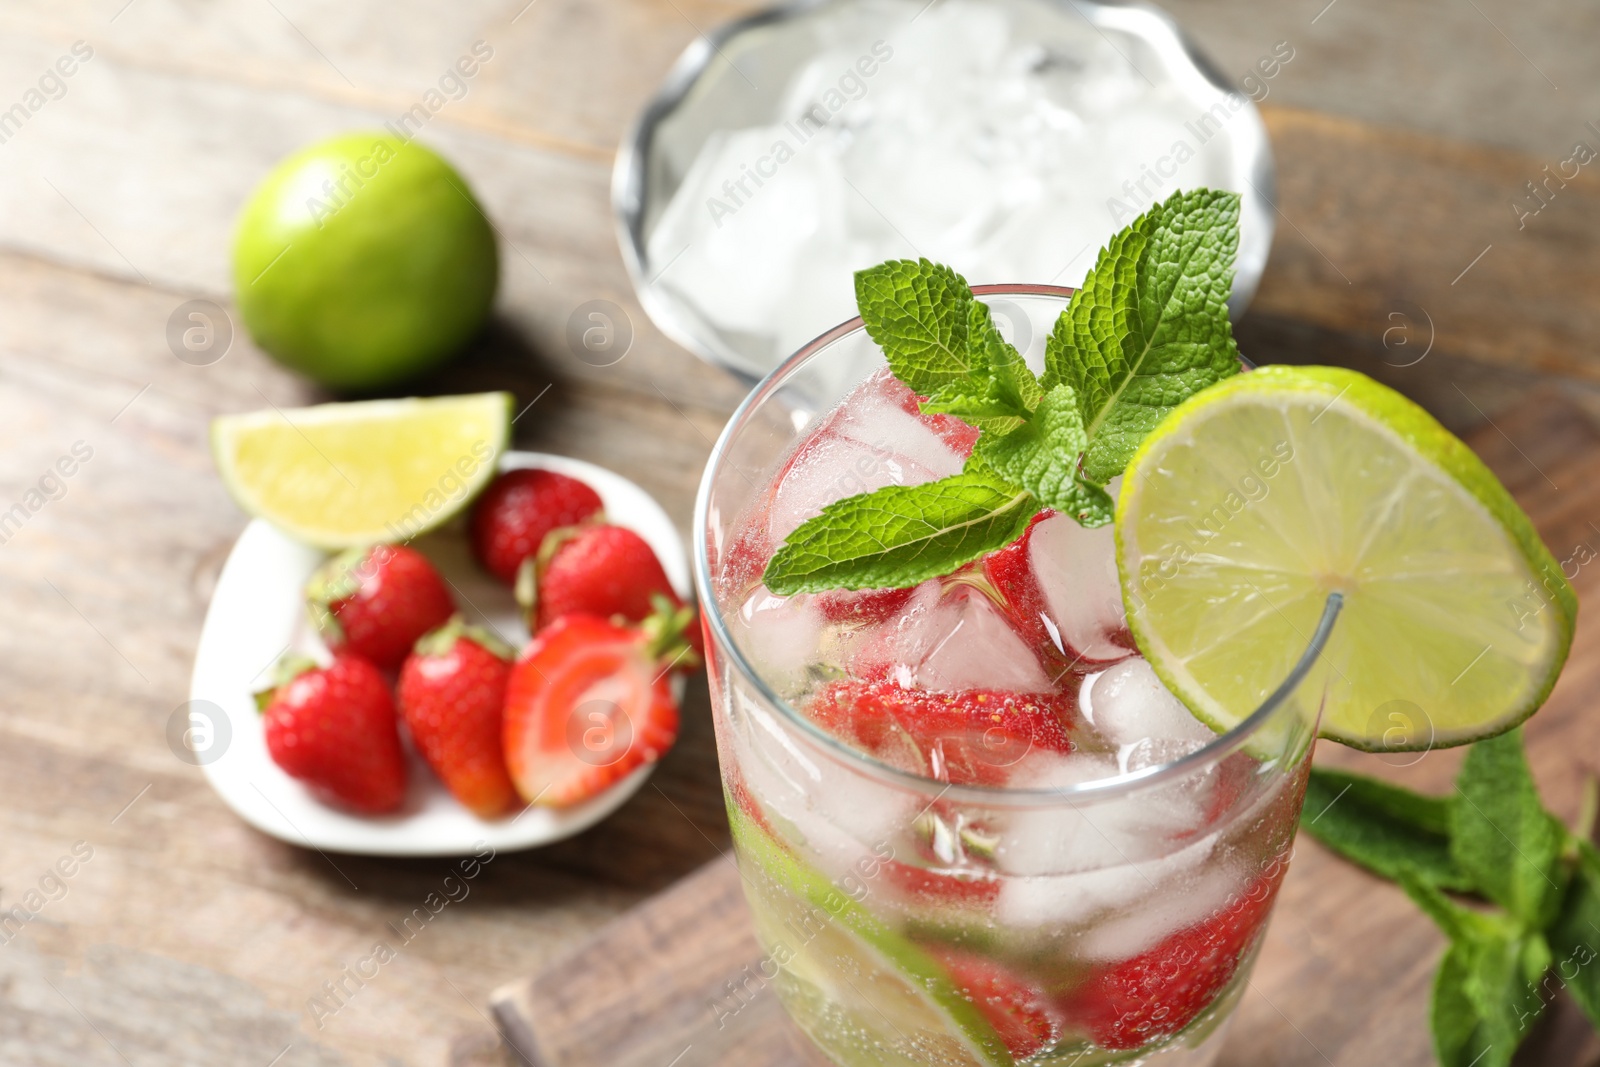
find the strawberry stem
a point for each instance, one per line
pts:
(526, 590)
(337, 579)
(533, 568)
(291, 666)
(664, 634)
(439, 642)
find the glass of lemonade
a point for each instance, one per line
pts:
(973, 827)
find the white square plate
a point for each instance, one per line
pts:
(257, 613)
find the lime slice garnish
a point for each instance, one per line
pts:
(339, 475)
(1256, 498)
(865, 994)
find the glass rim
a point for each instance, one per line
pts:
(1212, 752)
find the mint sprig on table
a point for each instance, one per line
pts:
(1148, 329)
(1534, 886)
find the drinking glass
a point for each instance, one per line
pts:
(905, 920)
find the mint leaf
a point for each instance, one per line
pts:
(1458, 1034)
(973, 402)
(1502, 837)
(917, 313)
(1003, 366)
(1000, 391)
(900, 535)
(1485, 997)
(1575, 935)
(1459, 923)
(1484, 1005)
(1150, 326)
(1383, 827)
(1042, 457)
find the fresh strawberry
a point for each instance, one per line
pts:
(589, 701)
(1160, 991)
(968, 737)
(375, 602)
(452, 697)
(1021, 1015)
(335, 729)
(596, 570)
(511, 518)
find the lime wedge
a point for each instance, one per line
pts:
(340, 475)
(866, 995)
(1259, 496)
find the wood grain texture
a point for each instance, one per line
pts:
(1377, 221)
(1347, 966)
(190, 939)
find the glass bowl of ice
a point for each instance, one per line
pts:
(1006, 138)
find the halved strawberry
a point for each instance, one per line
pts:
(966, 737)
(1157, 993)
(589, 701)
(1021, 1015)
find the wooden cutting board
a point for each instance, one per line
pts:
(1344, 975)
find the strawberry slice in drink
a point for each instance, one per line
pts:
(958, 435)
(943, 887)
(1021, 1015)
(1157, 993)
(965, 737)
(863, 607)
(1010, 576)
(1058, 582)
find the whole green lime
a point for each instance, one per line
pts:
(363, 260)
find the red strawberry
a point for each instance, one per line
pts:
(597, 570)
(864, 606)
(589, 701)
(943, 887)
(958, 435)
(740, 800)
(1160, 991)
(452, 697)
(510, 520)
(1023, 1017)
(1011, 577)
(335, 729)
(375, 602)
(969, 737)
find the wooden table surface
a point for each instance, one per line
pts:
(187, 938)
